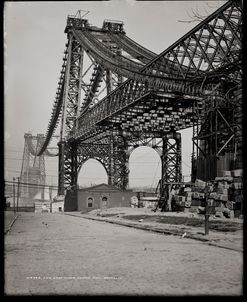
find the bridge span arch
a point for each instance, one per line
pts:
(92, 171)
(144, 167)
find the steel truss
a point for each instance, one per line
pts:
(219, 135)
(189, 84)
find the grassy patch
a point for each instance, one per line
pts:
(221, 226)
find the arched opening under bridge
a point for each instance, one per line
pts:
(145, 168)
(92, 173)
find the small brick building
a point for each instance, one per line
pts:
(103, 196)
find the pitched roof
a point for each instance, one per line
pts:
(100, 187)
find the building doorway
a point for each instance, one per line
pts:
(104, 202)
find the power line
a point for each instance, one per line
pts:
(30, 184)
(11, 170)
(20, 159)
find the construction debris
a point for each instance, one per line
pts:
(223, 196)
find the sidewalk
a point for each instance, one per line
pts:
(145, 219)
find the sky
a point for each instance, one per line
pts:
(34, 41)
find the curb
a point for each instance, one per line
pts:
(10, 225)
(155, 230)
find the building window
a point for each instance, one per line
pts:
(90, 202)
(104, 202)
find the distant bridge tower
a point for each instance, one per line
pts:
(33, 167)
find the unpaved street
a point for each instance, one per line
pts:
(61, 254)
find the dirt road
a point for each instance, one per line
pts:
(61, 254)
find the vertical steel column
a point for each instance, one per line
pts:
(171, 168)
(61, 170)
(238, 118)
(195, 129)
(110, 161)
(70, 112)
(74, 165)
(120, 176)
(61, 144)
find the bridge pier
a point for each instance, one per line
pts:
(70, 176)
(61, 146)
(118, 171)
(171, 163)
(67, 176)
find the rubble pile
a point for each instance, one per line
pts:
(182, 199)
(224, 195)
(227, 193)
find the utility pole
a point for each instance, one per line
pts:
(206, 210)
(18, 191)
(14, 192)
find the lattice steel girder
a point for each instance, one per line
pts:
(92, 88)
(213, 43)
(110, 106)
(71, 104)
(119, 161)
(122, 66)
(218, 136)
(136, 140)
(98, 151)
(200, 58)
(171, 165)
(131, 90)
(218, 126)
(72, 87)
(171, 158)
(68, 166)
(112, 155)
(162, 112)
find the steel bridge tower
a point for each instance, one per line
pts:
(114, 95)
(33, 167)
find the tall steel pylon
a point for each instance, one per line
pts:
(80, 92)
(33, 167)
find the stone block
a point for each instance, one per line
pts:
(201, 195)
(224, 197)
(226, 173)
(219, 214)
(231, 214)
(200, 183)
(219, 190)
(238, 172)
(225, 191)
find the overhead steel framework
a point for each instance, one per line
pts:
(113, 94)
